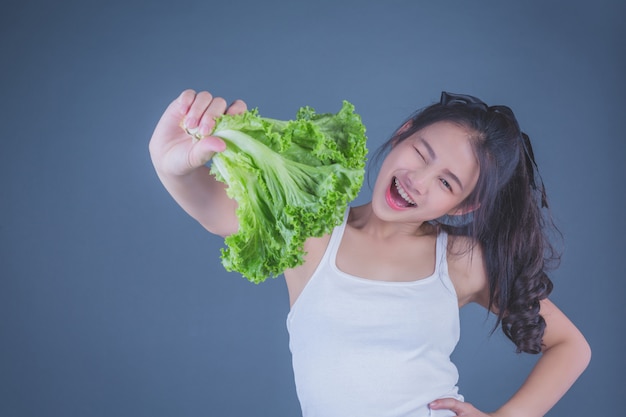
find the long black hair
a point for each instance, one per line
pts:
(511, 222)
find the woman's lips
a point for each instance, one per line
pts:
(397, 197)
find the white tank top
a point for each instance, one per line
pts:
(363, 347)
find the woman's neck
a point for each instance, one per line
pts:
(364, 219)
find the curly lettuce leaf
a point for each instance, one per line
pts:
(291, 179)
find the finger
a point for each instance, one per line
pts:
(449, 404)
(185, 100)
(196, 109)
(176, 110)
(203, 150)
(215, 109)
(237, 107)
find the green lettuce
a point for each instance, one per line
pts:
(291, 179)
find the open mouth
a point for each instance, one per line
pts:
(398, 197)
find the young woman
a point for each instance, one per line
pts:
(455, 218)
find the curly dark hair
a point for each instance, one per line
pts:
(512, 223)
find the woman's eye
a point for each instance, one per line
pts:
(446, 184)
(420, 154)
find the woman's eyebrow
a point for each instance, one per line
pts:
(433, 156)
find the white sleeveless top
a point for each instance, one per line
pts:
(364, 347)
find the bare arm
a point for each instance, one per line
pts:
(564, 357)
(179, 160)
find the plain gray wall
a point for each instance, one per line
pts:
(113, 302)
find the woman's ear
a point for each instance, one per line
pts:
(406, 126)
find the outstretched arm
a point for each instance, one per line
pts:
(179, 159)
(565, 356)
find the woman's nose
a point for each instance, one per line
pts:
(418, 181)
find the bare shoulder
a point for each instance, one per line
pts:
(466, 267)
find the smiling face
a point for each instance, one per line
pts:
(427, 175)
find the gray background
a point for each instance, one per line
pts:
(114, 303)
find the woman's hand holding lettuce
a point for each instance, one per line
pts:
(291, 180)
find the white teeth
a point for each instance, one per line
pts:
(403, 193)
